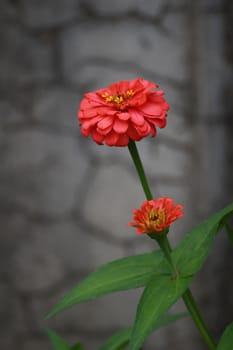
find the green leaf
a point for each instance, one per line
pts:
(123, 274)
(226, 341)
(159, 295)
(163, 291)
(77, 347)
(118, 341)
(121, 339)
(229, 233)
(57, 341)
(194, 248)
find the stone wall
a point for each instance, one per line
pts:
(65, 202)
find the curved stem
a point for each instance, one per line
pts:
(166, 248)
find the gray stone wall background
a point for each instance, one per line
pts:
(65, 202)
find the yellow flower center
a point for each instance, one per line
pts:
(118, 99)
(157, 217)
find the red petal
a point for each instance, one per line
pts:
(153, 131)
(97, 137)
(133, 134)
(144, 129)
(156, 98)
(148, 85)
(123, 86)
(123, 140)
(87, 123)
(137, 100)
(104, 131)
(123, 115)
(106, 111)
(160, 122)
(89, 113)
(95, 99)
(112, 138)
(85, 132)
(113, 89)
(136, 117)
(120, 126)
(151, 109)
(160, 92)
(105, 122)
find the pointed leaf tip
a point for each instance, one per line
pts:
(57, 341)
(123, 274)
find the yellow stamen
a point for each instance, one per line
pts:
(157, 217)
(107, 97)
(130, 92)
(118, 99)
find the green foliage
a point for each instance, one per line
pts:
(163, 290)
(131, 272)
(194, 248)
(59, 343)
(159, 295)
(118, 341)
(150, 270)
(229, 233)
(226, 341)
(121, 339)
(77, 347)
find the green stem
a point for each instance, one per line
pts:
(187, 296)
(198, 320)
(166, 248)
(138, 164)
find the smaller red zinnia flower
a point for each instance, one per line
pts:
(124, 111)
(156, 215)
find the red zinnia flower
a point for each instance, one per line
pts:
(127, 110)
(156, 215)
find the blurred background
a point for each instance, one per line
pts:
(65, 202)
